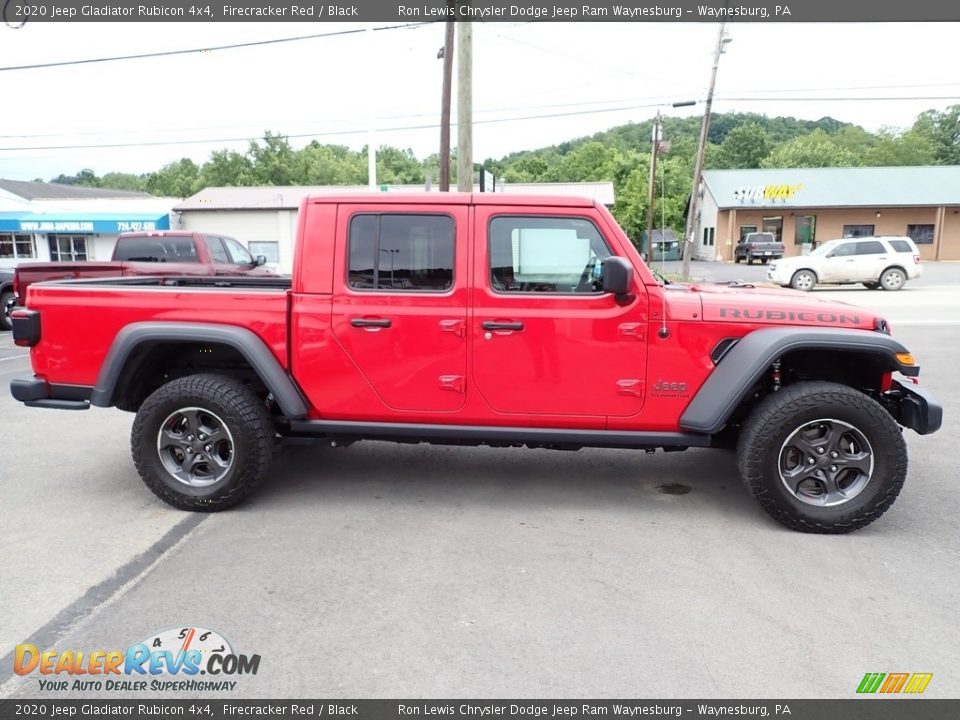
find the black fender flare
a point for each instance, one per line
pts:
(252, 348)
(753, 354)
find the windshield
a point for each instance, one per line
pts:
(825, 248)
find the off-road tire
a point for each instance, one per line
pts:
(780, 414)
(6, 299)
(797, 283)
(245, 417)
(893, 279)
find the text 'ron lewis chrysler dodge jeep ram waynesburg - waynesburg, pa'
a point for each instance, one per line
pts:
(481, 319)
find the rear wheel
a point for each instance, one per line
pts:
(6, 307)
(202, 442)
(822, 457)
(803, 280)
(893, 279)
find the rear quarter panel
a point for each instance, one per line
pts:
(79, 322)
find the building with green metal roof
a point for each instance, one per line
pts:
(807, 206)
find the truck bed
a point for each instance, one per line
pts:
(86, 315)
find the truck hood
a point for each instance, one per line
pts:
(762, 305)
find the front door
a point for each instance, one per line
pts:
(546, 339)
(400, 312)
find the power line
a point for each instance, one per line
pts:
(351, 131)
(189, 51)
(840, 99)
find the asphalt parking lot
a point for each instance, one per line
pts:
(414, 571)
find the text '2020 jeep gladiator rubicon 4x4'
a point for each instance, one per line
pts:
(481, 319)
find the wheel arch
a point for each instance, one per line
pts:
(140, 350)
(742, 367)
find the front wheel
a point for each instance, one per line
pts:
(822, 457)
(803, 280)
(202, 442)
(6, 307)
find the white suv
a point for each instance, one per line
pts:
(877, 262)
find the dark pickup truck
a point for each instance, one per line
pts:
(762, 246)
(168, 253)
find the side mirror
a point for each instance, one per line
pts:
(261, 260)
(618, 278)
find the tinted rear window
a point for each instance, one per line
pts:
(156, 249)
(901, 246)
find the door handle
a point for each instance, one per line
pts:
(494, 325)
(370, 322)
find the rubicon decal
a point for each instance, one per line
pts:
(183, 652)
(789, 316)
(894, 683)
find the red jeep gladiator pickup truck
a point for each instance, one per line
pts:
(162, 252)
(482, 319)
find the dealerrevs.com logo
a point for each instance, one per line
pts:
(894, 683)
(169, 661)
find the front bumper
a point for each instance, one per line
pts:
(915, 407)
(37, 392)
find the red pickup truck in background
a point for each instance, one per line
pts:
(482, 319)
(163, 252)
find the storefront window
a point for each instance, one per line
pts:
(921, 234)
(806, 230)
(857, 231)
(68, 247)
(774, 225)
(16, 246)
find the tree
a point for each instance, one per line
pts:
(744, 147)
(272, 161)
(942, 129)
(226, 168)
(818, 149)
(909, 148)
(123, 181)
(86, 178)
(178, 179)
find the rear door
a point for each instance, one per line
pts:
(872, 259)
(547, 341)
(400, 309)
(838, 266)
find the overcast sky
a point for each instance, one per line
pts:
(332, 87)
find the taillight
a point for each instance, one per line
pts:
(916, 259)
(16, 285)
(26, 327)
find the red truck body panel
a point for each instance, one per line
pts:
(587, 361)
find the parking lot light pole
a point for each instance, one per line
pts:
(651, 184)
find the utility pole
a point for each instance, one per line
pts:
(445, 108)
(371, 136)
(465, 106)
(651, 186)
(698, 167)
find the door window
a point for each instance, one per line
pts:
(746, 230)
(805, 229)
(217, 253)
(538, 254)
(870, 247)
(401, 252)
(237, 252)
(844, 250)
